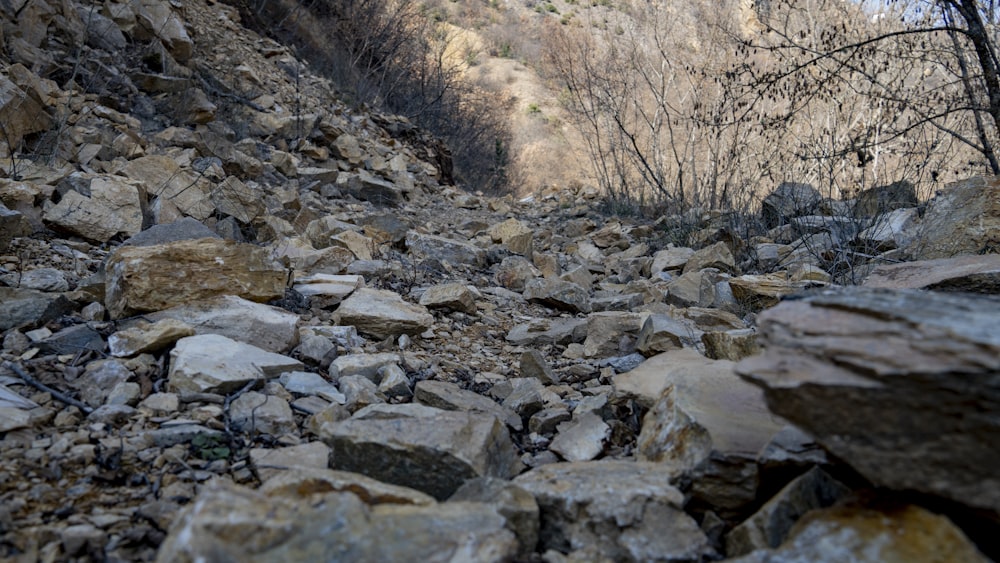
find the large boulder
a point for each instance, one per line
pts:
(901, 385)
(153, 278)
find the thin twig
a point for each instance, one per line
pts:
(58, 395)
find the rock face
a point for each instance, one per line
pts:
(424, 448)
(963, 219)
(889, 381)
(619, 510)
(153, 278)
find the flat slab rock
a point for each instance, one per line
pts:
(382, 313)
(211, 363)
(903, 385)
(973, 274)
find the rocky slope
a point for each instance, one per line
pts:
(242, 322)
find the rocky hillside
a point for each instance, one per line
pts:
(241, 322)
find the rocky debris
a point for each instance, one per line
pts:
(428, 449)
(974, 274)
(619, 510)
(789, 200)
(884, 409)
(383, 314)
(153, 278)
(533, 313)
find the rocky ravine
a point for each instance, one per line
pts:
(241, 322)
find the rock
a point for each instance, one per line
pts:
(181, 229)
(883, 199)
(526, 396)
(514, 235)
(346, 147)
(448, 396)
(758, 292)
(149, 337)
(365, 365)
(732, 345)
(165, 179)
(787, 201)
(366, 187)
(78, 537)
(975, 274)
(424, 448)
(515, 272)
(581, 439)
(704, 422)
(72, 340)
(540, 332)
(661, 333)
(545, 421)
(693, 289)
(153, 278)
(562, 295)
(211, 363)
(270, 463)
(891, 230)
(533, 364)
(623, 510)
(872, 535)
(963, 219)
(769, 526)
(315, 481)
(670, 259)
(100, 378)
(451, 296)
(326, 289)
(21, 114)
(393, 382)
(161, 404)
(306, 383)
(454, 252)
(612, 334)
(512, 502)
(44, 279)
(238, 200)
(359, 245)
(382, 314)
(717, 256)
(12, 418)
(359, 392)
(113, 207)
(157, 19)
(13, 224)
(235, 523)
(255, 413)
(821, 371)
(269, 328)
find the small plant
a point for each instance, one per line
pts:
(533, 108)
(209, 447)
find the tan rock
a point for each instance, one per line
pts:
(977, 274)
(165, 179)
(453, 296)
(153, 278)
(148, 338)
(113, 207)
(762, 291)
(383, 313)
(157, 19)
(238, 200)
(361, 246)
(514, 235)
(20, 113)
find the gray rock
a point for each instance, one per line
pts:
(212, 363)
(267, 327)
(787, 201)
(623, 510)
(670, 259)
(821, 371)
(533, 364)
(883, 199)
(383, 314)
(612, 334)
(367, 187)
(359, 392)
(182, 229)
(148, 337)
(270, 463)
(661, 333)
(27, 307)
(733, 345)
(581, 439)
(73, 340)
(526, 397)
(13, 224)
(515, 272)
(448, 396)
(563, 295)
(548, 331)
(963, 219)
(454, 252)
(44, 279)
(424, 448)
(310, 481)
(256, 413)
(693, 289)
(305, 383)
(452, 296)
(974, 274)
(366, 365)
(512, 502)
(393, 381)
